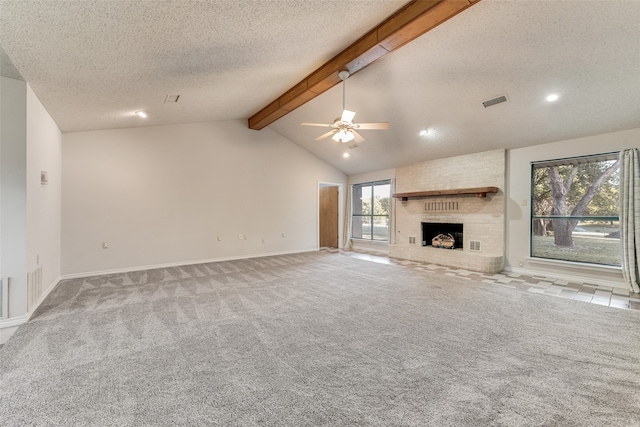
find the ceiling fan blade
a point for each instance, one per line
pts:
(316, 124)
(357, 137)
(347, 116)
(383, 125)
(328, 134)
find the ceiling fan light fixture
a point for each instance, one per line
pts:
(343, 136)
(343, 128)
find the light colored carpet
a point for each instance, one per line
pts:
(317, 339)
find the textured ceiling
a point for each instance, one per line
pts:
(92, 64)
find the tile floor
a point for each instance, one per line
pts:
(587, 292)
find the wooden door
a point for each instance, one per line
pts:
(329, 217)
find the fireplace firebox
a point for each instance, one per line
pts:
(432, 229)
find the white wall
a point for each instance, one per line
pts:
(13, 193)
(163, 195)
(519, 199)
(44, 145)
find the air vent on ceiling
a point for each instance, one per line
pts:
(495, 101)
(171, 98)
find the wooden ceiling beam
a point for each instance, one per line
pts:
(408, 23)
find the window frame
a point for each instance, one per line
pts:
(576, 161)
(372, 184)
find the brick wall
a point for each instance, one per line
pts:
(483, 218)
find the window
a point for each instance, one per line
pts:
(574, 209)
(370, 210)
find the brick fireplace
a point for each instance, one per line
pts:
(480, 220)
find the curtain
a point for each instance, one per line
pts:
(392, 213)
(346, 224)
(630, 217)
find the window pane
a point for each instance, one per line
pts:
(575, 210)
(596, 242)
(588, 188)
(542, 201)
(381, 196)
(370, 207)
(381, 228)
(362, 199)
(361, 227)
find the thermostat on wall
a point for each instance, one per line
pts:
(44, 178)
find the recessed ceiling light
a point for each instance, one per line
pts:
(423, 132)
(141, 114)
(552, 97)
(345, 155)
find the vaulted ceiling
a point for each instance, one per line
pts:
(94, 63)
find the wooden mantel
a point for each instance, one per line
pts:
(477, 191)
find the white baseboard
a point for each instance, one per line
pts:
(13, 322)
(178, 264)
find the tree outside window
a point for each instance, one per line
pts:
(575, 210)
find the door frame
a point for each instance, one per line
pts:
(341, 195)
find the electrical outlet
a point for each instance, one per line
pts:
(105, 245)
(263, 241)
(283, 235)
(219, 239)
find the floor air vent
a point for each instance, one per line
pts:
(34, 287)
(495, 101)
(474, 245)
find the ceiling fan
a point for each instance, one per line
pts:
(343, 128)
